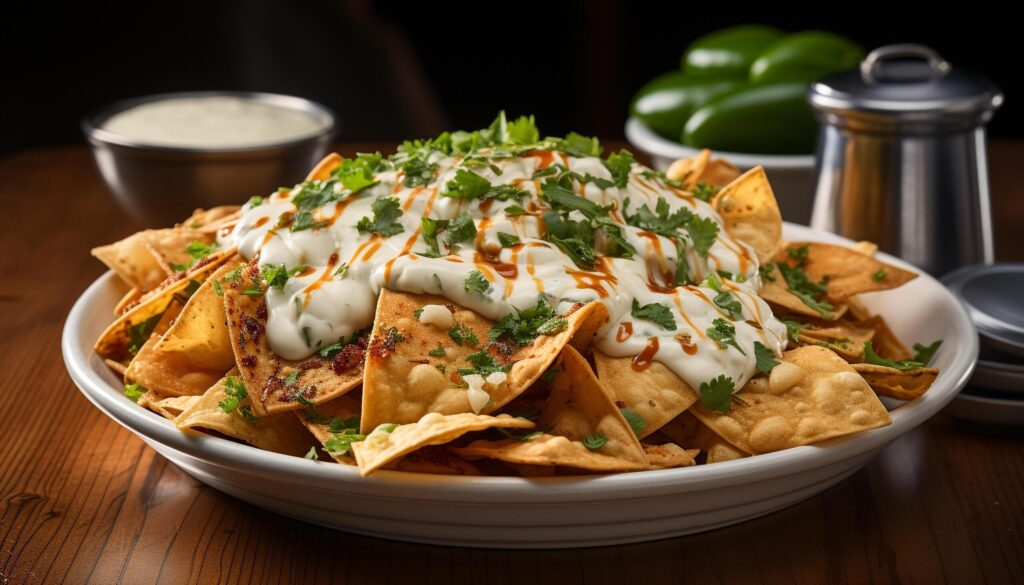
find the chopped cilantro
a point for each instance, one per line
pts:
(417, 312)
(277, 276)
(437, 351)
(636, 422)
(925, 353)
(234, 388)
(703, 233)
(716, 394)
(595, 442)
(507, 240)
(356, 174)
(724, 333)
(728, 302)
(418, 172)
(766, 272)
(466, 185)
(793, 329)
(139, 333)
(292, 378)
(801, 286)
(134, 391)
(484, 364)
(799, 253)
(578, 145)
(656, 313)
(217, 288)
(879, 275)
(765, 357)
(255, 201)
(463, 335)
(340, 425)
(523, 130)
(386, 211)
(476, 282)
(460, 229)
(870, 357)
(704, 191)
(341, 271)
(524, 326)
(341, 443)
(619, 165)
(234, 275)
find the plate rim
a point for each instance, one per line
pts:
(82, 366)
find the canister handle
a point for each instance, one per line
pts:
(939, 66)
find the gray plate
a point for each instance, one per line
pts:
(994, 298)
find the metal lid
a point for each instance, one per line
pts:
(905, 84)
(992, 295)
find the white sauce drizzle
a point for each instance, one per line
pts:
(323, 309)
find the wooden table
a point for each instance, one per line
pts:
(83, 500)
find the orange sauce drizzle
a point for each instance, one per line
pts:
(326, 276)
(643, 361)
(625, 331)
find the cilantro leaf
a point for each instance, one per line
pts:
(793, 329)
(656, 313)
(636, 422)
(429, 228)
(524, 326)
(801, 286)
(386, 211)
(340, 425)
(704, 191)
(703, 233)
(460, 229)
(418, 172)
(879, 275)
(507, 240)
(134, 391)
(578, 145)
(476, 282)
(523, 130)
(619, 165)
(660, 221)
(234, 388)
(466, 185)
(716, 394)
(728, 302)
(356, 174)
(483, 364)
(870, 357)
(765, 357)
(925, 353)
(596, 441)
(341, 443)
(724, 333)
(139, 333)
(463, 335)
(437, 351)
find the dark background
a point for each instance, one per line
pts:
(395, 70)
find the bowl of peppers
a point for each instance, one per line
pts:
(742, 92)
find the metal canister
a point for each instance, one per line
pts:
(901, 157)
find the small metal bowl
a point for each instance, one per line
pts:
(159, 185)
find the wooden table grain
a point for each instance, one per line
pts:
(83, 500)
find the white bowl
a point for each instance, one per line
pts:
(791, 175)
(506, 512)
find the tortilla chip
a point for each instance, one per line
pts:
(170, 373)
(884, 342)
(865, 247)
(848, 271)
(168, 246)
(317, 421)
(858, 310)
(116, 366)
(898, 384)
(579, 409)
(843, 336)
(214, 219)
(750, 213)
(689, 170)
(133, 261)
(168, 407)
(657, 394)
(687, 430)
(200, 332)
(325, 167)
(775, 292)
(115, 342)
(669, 455)
(272, 382)
(812, 396)
(279, 433)
(403, 381)
(129, 300)
(719, 173)
(382, 447)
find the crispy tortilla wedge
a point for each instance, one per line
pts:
(341, 414)
(689, 170)
(811, 396)
(168, 407)
(170, 373)
(750, 213)
(281, 433)
(687, 430)
(657, 394)
(848, 272)
(133, 261)
(412, 368)
(383, 446)
(325, 167)
(898, 384)
(275, 384)
(669, 455)
(583, 427)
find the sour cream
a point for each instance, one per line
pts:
(216, 121)
(323, 304)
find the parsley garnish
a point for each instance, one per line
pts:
(484, 364)
(765, 357)
(356, 174)
(801, 286)
(702, 231)
(461, 229)
(595, 441)
(704, 191)
(463, 335)
(716, 394)
(386, 211)
(418, 172)
(879, 275)
(437, 351)
(793, 329)
(636, 422)
(139, 334)
(134, 391)
(578, 145)
(724, 333)
(656, 313)
(292, 378)
(728, 302)
(341, 443)
(507, 240)
(476, 282)
(217, 288)
(619, 165)
(524, 326)
(255, 201)
(924, 355)
(466, 185)
(235, 389)
(277, 276)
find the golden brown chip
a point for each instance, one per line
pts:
(126, 335)
(719, 173)
(669, 455)
(847, 271)
(657, 394)
(885, 342)
(200, 332)
(278, 385)
(865, 247)
(168, 407)
(132, 260)
(325, 167)
(584, 428)
(388, 442)
(129, 300)
(279, 433)
(412, 367)
(898, 384)
(843, 336)
(775, 292)
(170, 373)
(687, 430)
(214, 219)
(169, 246)
(689, 170)
(318, 422)
(811, 396)
(750, 213)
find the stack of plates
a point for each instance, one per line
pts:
(994, 298)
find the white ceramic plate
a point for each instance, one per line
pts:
(505, 512)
